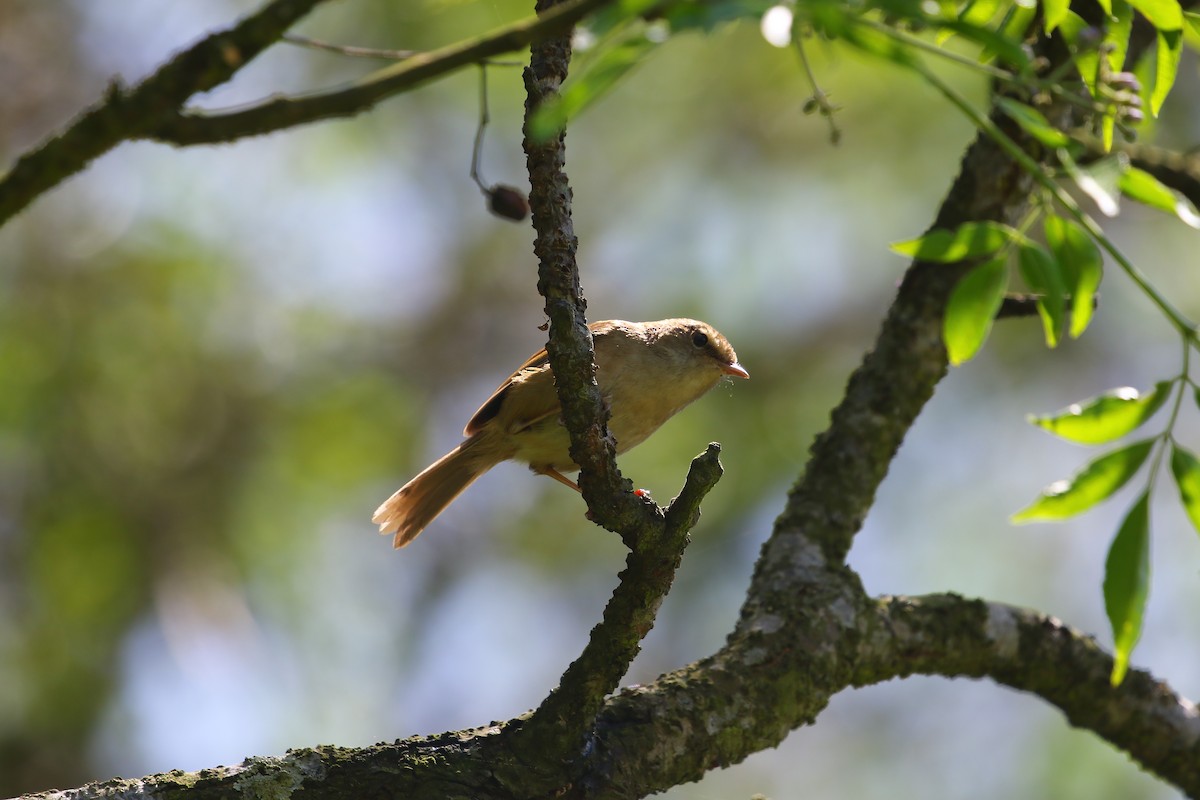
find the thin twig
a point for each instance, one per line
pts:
(350, 50)
(484, 119)
(820, 100)
(354, 51)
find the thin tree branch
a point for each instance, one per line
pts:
(552, 743)
(130, 114)
(570, 346)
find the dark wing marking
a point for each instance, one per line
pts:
(491, 407)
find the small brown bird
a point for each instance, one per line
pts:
(647, 371)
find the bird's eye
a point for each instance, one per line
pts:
(699, 338)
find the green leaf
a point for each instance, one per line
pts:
(1087, 58)
(1166, 65)
(1192, 20)
(972, 308)
(608, 67)
(1097, 481)
(1008, 48)
(1116, 34)
(979, 12)
(833, 23)
(616, 16)
(1082, 267)
(1186, 469)
(1127, 584)
(1166, 15)
(1140, 185)
(1033, 122)
(969, 240)
(1053, 13)
(1106, 417)
(1115, 45)
(1043, 274)
(1143, 187)
(1012, 30)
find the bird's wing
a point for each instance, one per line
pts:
(537, 387)
(529, 375)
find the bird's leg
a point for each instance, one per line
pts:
(558, 476)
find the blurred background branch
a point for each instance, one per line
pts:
(129, 114)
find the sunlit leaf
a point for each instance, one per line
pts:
(1116, 34)
(1053, 13)
(1106, 417)
(1097, 481)
(594, 82)
(969, 240)
(972, 308)
(1140, 185)
(1043, 274)
(979, 12)
(1127, 584)
(1192, 20)
(1166, 60)
(1033, 122)
(1082, 267)
(1165, 15)
(1186, 469)
(1087, 58)
(1011, 32)
(1114, 48)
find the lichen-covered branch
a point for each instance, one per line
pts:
(1034, 652)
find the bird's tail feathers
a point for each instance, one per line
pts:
(418, 502)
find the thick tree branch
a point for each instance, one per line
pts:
(130, 114)
(951, 636)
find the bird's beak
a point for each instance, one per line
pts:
(735, 369)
